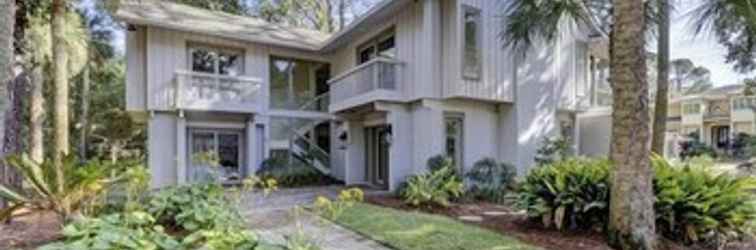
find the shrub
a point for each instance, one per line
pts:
(695, 148)
(692, 205)
(569, 193)
(129, 231)
(489, 180)
(695, 205)
(433, 188)
(331, 209)
(193, 208)
(291, 174)
(551, 150)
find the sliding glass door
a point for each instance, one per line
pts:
(216, 155)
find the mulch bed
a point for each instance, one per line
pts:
(30, 231)
(517, 225)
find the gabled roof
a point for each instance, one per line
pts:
(166, 14)
(169, 15)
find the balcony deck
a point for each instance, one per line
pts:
(209, 92)
(376, 80)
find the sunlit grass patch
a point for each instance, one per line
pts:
(413, 230)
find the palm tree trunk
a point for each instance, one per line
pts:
(631, 218)
(662, 82)
(60, 80)
(7, 21)
(36, 115)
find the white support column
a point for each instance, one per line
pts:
(181, 173)
(251, 148)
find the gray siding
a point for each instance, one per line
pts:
(135, 69)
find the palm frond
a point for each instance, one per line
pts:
(527, 21)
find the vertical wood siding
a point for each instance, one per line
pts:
(407, 25)
(496, 81)
(167, 52)
(135, 69)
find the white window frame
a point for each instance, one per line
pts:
(192, 46)
(241, 169)
(477, 75)
(374, 42)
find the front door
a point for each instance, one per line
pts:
(720, 136)
(377, 155)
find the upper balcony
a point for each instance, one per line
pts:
(376, 80)
(212, 92)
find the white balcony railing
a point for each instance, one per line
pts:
(375, 75)
(202, 91)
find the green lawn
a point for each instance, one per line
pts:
(413, 230)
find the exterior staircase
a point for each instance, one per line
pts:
(302, 145)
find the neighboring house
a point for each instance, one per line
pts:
(715, 116)
(370, 104)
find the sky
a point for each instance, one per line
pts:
(703, 50)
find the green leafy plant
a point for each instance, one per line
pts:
(490, 180)
(83, 189)
(433, 188)
(569, 193)
(331, 209)
(551, 150)
(695, 205)
(128, 231)
(222, 238)
(193, 208)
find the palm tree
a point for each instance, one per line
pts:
(631, 213)
(631, 224)
(60, 82)
(662, 81)
(7, 22)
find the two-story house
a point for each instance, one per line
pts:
(369, 104)
(714, 116)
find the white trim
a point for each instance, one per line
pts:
(214, 125)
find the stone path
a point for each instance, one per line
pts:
(276, 217)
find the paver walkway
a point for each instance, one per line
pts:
(275, 217)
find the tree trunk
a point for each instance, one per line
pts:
(84, 116)
(631, 217)
(662, 82)
(7, 21)
(60, 80)
(36, 115)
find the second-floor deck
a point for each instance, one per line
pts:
(377, 80)
(211, 92)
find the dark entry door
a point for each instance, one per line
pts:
(720, 136)
(377, 155)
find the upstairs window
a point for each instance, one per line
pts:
(744, 103)
(472, 65)
(383, 45)
(691, 108)
(216, 60)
